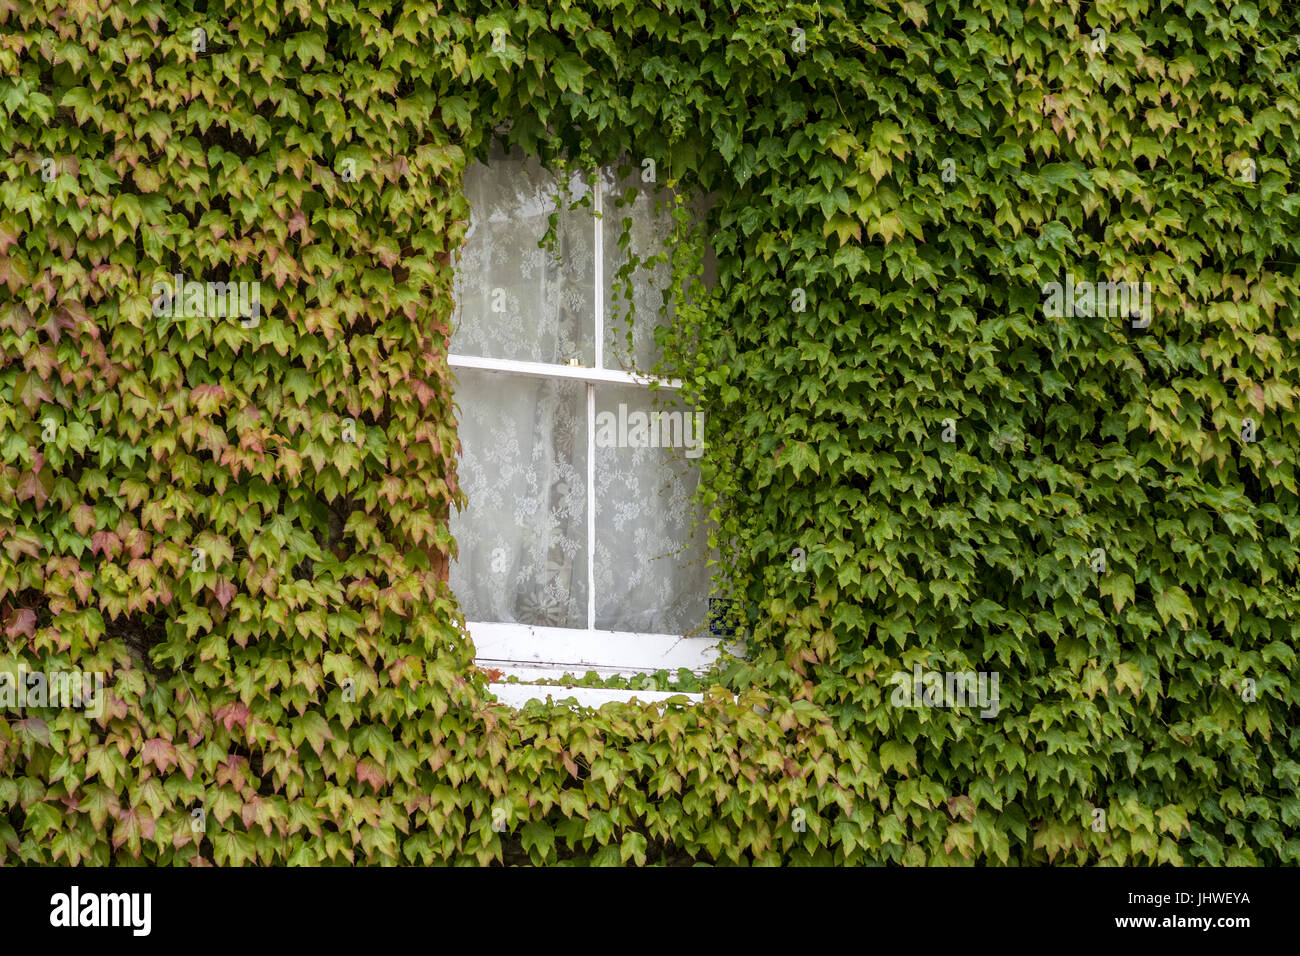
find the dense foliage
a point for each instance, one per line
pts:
(242, 524)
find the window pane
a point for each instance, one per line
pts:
(514, 299)
(650, 572)
(523, 533)
(629, 325)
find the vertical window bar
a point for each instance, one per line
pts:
(599, 312)
(600, 273)
(591, 507)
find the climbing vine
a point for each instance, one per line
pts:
(933, 446)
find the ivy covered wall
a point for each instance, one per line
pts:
(922, 458)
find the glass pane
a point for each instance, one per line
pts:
(523, 534)
(651, 574)
(630, 319)
(514, 299)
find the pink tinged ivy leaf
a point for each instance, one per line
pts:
(42, 361)
(31, 488)
(132, 826)
(423, 392)
(255, 810)
(83, 519)
(114, 708)
(161, 753)
(370, 772)
(81, 584)
(62, 640)
(1256, 396)
(232, 772)
(207, 398)
(186, 761)
(105, 543)
(22, 623)
(57, 324)
(224, 591)
(961, 806)
(233, 713)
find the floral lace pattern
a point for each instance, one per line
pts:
(515, 299)
(651, 574)
(523, 538)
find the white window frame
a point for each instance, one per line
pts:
(531, 653)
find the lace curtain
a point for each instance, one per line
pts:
(516, 300)
(645, 210)
(523, 536)
(651, 573)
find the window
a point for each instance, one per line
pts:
(578, 548)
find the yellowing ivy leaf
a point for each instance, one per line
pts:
(1128, 675)
(898, 755)
(1119, 587)
(1173, 603)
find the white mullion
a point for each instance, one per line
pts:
(591, 506)
(598, 312)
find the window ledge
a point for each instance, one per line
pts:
(531, 654)
(563, 650)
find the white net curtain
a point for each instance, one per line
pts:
(515, 299)
(525, 537)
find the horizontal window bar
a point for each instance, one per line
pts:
(577, 373)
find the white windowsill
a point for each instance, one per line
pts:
(576, 650)
(532, 653)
